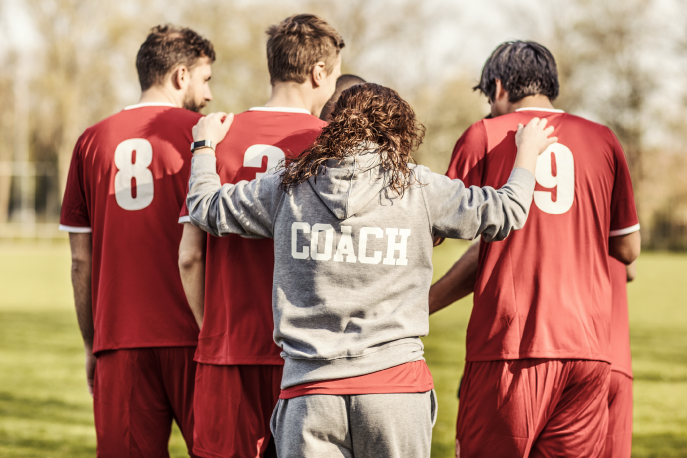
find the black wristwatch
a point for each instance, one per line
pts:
(202, 144)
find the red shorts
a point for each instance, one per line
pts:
(619, 437)
(233, 406)
(137, 394)
(533, 407)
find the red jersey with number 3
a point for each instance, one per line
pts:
(237, 324)
(545, 291)
(127, 182)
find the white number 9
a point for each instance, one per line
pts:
(131, 168)
(563, 180)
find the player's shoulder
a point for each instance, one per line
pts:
(288, 116)
(133, 115)
(585, 123)
(285, 124)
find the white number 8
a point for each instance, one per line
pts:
(563, 181)
(133, 168)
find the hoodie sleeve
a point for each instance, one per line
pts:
(464, 213)
(246, 208)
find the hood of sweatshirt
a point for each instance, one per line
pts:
(347, 186)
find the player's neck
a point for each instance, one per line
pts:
(532, 101)
(291, 95)
(161, 94)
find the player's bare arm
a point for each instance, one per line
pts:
(192, 269)
(458, 282)
(625, 248)
(532, 140)
(631, 271)
(82, 249)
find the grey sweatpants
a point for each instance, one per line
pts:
(360, 426)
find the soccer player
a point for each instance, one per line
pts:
(538, 349)
(348, 318)
(460, 282)
(342, 83)
(127, 182)
(239, 366)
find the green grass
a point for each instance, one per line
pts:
(45, 409)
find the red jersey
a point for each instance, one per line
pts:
(620, 321)
(237, 324)
(545, 291)
(127, 182)
(413, 377)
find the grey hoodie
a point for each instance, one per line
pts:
(353, 261)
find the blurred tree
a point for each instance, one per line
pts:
(6, 135)
(72, 85)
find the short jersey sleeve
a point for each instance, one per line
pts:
(467, 161)
(623, 210)
(74, 216)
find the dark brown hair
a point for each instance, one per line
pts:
(364, 113)
(167, 47)
(524, 68)
(299, 42)
(342, 83)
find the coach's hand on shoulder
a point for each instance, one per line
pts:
(532, 140)
(213, 127)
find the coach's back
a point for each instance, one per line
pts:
(551, 302)
(127, 183)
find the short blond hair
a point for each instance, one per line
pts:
(297, 43)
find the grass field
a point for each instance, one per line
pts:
(45, 410)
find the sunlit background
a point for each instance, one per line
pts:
(67, 64)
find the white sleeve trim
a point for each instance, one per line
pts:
(627, 230)
(74, 229)
(184, 219)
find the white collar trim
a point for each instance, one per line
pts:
(548, 110)
(281, 109)
(149, 104)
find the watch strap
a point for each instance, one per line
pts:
(202, 144)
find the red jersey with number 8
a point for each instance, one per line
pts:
(127, 182)
(237, 323)
(545, 291)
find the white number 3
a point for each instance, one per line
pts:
(562, 178)
(133, 182)
(253, 157)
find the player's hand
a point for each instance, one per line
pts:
(532, 140)
(212, 127)
(90, 370)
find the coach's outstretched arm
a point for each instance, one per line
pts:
(464, 213)
(245, 208)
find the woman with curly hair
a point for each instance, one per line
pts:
(353, 221)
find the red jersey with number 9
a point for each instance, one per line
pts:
(237, 323)
(545, 291)
(127, 182)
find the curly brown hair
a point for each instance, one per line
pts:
(365, 113)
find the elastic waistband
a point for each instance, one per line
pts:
(298, 371)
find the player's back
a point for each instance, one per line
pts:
(545, 291)
(128, 181)
(238, 324)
